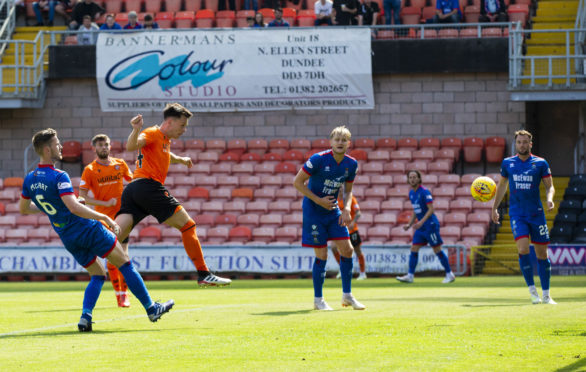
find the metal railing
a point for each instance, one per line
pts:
(21, 79)
(562, 71)
(8, 17)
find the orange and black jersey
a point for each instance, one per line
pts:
(155, 156)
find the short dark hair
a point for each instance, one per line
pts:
(99, 137)
(176, 110)
(278, 9)
(87, 17)
(148, 17)
(42, 139)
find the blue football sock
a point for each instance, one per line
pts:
(319, 275)
(346, 265)
(136, 284)
(544, 271)
(443, 259)
(526, 268)
(413, 258)
(92, 292)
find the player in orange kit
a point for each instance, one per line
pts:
(147, 195)
(104, 178)
(355, 239)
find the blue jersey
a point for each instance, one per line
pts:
(420, 198)
(45, 186)
(524, 179)
(326, 178)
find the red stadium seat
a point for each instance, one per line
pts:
(448, 33)
(251, 157)
(461, 205)
(475, 232)
(204, 18)
(495, 149)
(240, 234)
(113, 6)
(237, 146)
(380, 180)
(221, 194)
(492, 32)
(225, 18)
(386, 143)
(260, 206)
(228, 181)
(400, 235)
(286, 167)
(392, 204)
(29, 220)
(216, 145)
(242, 193)
(200, 169)
(228, 157)
(287, 234)
(372, 168)
(453, 143)
(439, 167)
(305, 20)
(424, 154)
(404, 217)
(267, 194)
(518, 13)
(206, 219)
(402, 155)
(71, 151)
(263, 234)
(479, 218)
(208, 157)
(462, 191)
(227, 220)
(268, 14)
(300, 144)
(410, 15)
(399, 190)
(320, 144)
(473, 147)
(468, 178)
(14, 182)
(447, 191)
(249, 181)
(369, 205)
(442, 204)
(450, 233)
(293, 219)
(379, 233)
(39, 235)
(271, 219)
(376, 193)
(2, 209)
(173, 6)
(272, 157)
(293, 156)
(471, 14)
(217, 235)
(395, 168)
(389, 219)
(278, 146)
(359, 154)
(194, 144)
(420, 165)
(192, 206)
(280, 206)
(243, 168)
(150, 234)
(310, 153)
(207, 181)
(249, 220)
(452, 179)
(7, 222)
(16, 236)
(264, 169)
(258, 146)
(379, 155)
(457, 219)
(364, 144)
(427, 34)
(429, 179)
(152, 6)
(10, 195)
(428, 13)
(407, 143)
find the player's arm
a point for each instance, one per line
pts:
(410, 223)
(501, 189)
(135, 140)
(26, 206)
(185, 160)
(328, 202)
(345, 218)
(549, 192)
(83, 193)
(82, 211)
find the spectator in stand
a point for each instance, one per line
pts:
(394, 7)
(447, 11)
(248, 3)
(278, 21)
(149, 24)
(368, 13)
(90, 35)
(132, 22)
(110, 23)
(323, 12)
(46, 5)
(83, 8)
(259, 20)
(345, 12)
(250, 22)
(493, 11)
(231, 5)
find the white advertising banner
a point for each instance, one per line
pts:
(236, 69)
(271, 259)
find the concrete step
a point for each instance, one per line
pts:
(496, 271)
(549, 50)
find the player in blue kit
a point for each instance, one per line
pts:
(524, 173)
(426, 228)
(79, 228)
(326, 172)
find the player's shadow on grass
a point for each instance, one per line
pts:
(486, 301)
(580, 365)
(284, 313)
(75, 309)
(74, 332)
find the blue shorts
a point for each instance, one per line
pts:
(86, 240)
(428, 234)
(319, 228)
(534, 227)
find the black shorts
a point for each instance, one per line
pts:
(145, 197)
(355, 239)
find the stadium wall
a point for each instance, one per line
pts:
(407, 105)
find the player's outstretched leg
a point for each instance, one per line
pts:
(92, 292)
(346, 264)
(443, 259)
(544, 271)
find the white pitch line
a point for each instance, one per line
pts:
(72, 325)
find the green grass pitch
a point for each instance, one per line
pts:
(474, 324)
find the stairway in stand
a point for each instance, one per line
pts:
(551, 15)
